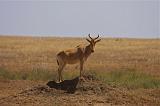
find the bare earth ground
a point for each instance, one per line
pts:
(90, 92)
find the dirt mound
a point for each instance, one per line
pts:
(88, 92)
(73, 86)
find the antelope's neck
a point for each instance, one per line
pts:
(87, 51)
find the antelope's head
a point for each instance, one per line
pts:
(92, 42)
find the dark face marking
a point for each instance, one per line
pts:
(92, 42)
(92, 45)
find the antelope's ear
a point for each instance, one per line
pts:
(97, 40)
(88, 40)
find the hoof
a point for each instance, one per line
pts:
(82, 79)
(59, 81)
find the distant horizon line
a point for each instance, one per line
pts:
(73, 36)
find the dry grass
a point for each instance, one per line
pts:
(128, 66)
(30, 53)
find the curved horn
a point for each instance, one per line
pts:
(90, 36)
(96, 37)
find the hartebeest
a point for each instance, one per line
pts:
(78, 54)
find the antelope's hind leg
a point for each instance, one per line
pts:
(60, 69)
(61, 72)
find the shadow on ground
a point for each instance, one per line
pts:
(67, 85)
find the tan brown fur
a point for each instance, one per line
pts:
(79, 54)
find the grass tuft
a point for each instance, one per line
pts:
(35, 74)
(4, 74)
(126, 78)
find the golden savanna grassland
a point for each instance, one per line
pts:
(28, 53)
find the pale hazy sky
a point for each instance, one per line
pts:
(117, 18)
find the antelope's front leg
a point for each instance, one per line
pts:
(59, 74)
(81, 70)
